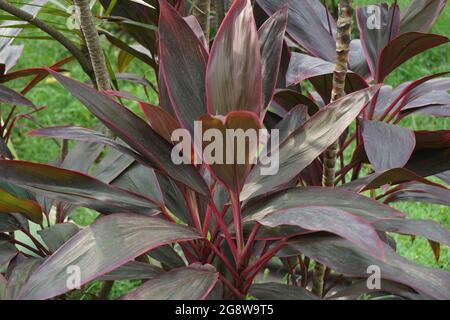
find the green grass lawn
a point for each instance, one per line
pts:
(62, 109)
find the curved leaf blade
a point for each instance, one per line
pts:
(305, 144)
(73, 187)
(135, 132)
(112, 241)
(233, 74)
(180, 284)
(387, 146)
(183, 61)
(11, 204)
(271, 36)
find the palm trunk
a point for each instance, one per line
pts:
(219, 6)
(343, 38)
(201, 11)
(93, 44)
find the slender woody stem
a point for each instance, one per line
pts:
(343, 37)
(55, 34)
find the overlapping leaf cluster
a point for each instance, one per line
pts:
(209, 231)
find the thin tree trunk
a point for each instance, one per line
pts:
(219, 6)
(93, 44)
(343, 38)
(55, 34)
(201, 11)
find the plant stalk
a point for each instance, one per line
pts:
(58, 36)
(219, 6)
(93, 44)
(201, 11)
(343, 38)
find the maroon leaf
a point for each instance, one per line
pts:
(306, 143)
(425, 228)
(420, 192)
(378, 179)
(271, 36)
(351, 202)
(404, 48)
(387, 146)
(309, 24)
(189, 283)
(420, 15)
(378, 25)
(113, 241)
(320, 73)
(71, 186)
(343, 257)
(280, 291)
(183, 61)
(233, 75)
(135, 132)
(330, 219)
(10, 96)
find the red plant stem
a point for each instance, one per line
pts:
(193, 213)
(224, 260)
(235, 203)
(40, 253)
(224, 229)
(189, 256)
(292, 272)
(37, 243)
(335, 282)
(252, 271)
(250, 241)
(237, 293)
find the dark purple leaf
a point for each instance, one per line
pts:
(280, 291)
(10, 96)
(404, 48)
(271, 37)
(420, 15)
(183, 61)
(88, 135)
(233, 75)
(320, 73)
(305, 144)
(7, 252)
(55, 236)
(378, 179)
(189, 283)
(309, 24)
(135, 132)
(425, 228)
(421, 193)
(4, 150)
(133, 270)
(351, 202)
(378, 25)
(21, 271)
(330, 219)
(112, 241)
(197, 29)
(343, 257)
(71, 186)
(387, 146)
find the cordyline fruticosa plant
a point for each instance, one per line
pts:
(196, 231)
